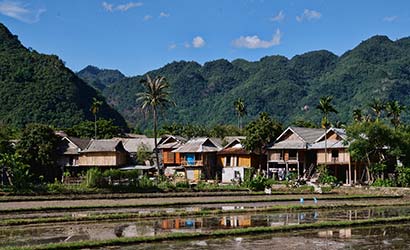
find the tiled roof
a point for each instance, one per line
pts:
(81, 143)
(330, 144)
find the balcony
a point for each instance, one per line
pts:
(293, 158)
(192, 163)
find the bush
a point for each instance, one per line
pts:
(145, 183)
(403, 176)
(94, 178)
(257, 183)
(383, 183)
(325, 177)
(182, 184)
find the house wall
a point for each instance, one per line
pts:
(236, 160)
(102, 159)
(343, 158)
(170, 158)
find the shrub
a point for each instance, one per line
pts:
(257, 183)
(383, 183)
(403, 176)
(145, 182)
(325, 177)
(94, 178)
(182, 184)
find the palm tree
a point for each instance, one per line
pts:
(394, 109)
(154, 97)
(326, 108)
(95, 107)
(377, 107)
(240, 109)
(357, 115)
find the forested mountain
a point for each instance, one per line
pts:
(288, 89)
(100, 78)
(39, 88)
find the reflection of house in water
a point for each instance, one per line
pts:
(341, 233)
(182, 225)
(236, 221)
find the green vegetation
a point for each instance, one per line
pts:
(100, 78)
(86, 129)
(187, 203)
(153, 98)
(37, 88)
(287, 89)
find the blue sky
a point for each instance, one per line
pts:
(140, 35)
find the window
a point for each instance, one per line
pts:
(292, 155)
(228, 161)
(335, 153)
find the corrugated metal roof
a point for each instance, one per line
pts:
(199, 145)
(289, 145)
(105, 145)
(81, 143)
(309, 135)
(330, 144)
(133, 144)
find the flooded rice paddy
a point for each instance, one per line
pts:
(75, 231)
(387, 237)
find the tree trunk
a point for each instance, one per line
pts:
(156, 143)
(95, 126)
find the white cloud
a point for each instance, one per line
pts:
(198, 42)
(21, 12)
(279, 17)
(187, 45)
(147, 17)
(121, 7)
(172, 46)
(164, 14)
(254, 42)
(309, 15)
(390, 18)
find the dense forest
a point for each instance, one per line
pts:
(287, 89)
(38, 88)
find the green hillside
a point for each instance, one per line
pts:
(288, 89)
(39, 88)
(100, 78)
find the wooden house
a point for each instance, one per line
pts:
(290, 152)
(198, 157)
(235, 160)
(167, 145)
(104, 153)
(69, 149)
(334, 153)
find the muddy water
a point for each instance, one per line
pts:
(391, 237)
(68, 232)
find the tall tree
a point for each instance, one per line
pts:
(394, 109)
(38, 147)
(95, 107)
(155, 96)
(240, 109)
(357, 115)
(377, 107)
(325, 106)
(260, 132)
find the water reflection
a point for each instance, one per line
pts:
(36, 234)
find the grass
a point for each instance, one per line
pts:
(187, 203)
(181, 193)
(163, 214)
(214, 234)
